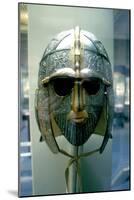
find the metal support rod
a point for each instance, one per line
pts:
(73, 176)
(73, 173)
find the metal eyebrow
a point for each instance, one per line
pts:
(66, 72)
(87, 73)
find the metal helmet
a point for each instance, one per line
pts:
(75, 93)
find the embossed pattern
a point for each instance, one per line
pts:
(93, 57)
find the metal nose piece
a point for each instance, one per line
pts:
(77, 113)
(77, 97)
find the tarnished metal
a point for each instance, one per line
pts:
(75, 94)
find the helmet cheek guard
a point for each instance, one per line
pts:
(75, 93)
(43, 119)
(104, 126)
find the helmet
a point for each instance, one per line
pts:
(75, 90)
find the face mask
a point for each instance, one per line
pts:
(74, 96)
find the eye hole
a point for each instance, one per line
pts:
(92, 86)
(63, 85)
